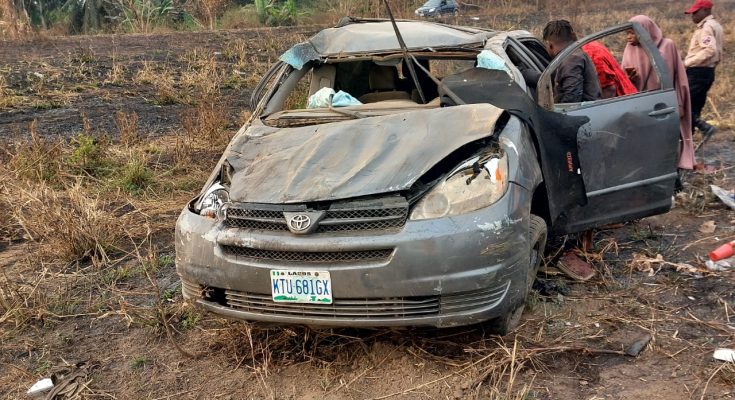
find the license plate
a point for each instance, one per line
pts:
(289, 286)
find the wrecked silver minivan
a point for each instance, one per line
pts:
(418, 202)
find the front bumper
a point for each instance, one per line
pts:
(442, 272)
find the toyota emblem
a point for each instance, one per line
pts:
(299, 222)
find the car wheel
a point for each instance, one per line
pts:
(537, 234)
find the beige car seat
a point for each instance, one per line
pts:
(321, 77)
(382, 81)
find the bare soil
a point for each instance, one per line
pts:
(59, 80)
(135, 338)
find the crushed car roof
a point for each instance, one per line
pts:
(374, 36)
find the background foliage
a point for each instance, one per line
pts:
(20, 17)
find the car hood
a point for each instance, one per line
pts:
(352, 158)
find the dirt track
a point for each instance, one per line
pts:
(564, 350)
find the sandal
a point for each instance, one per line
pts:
(575, 268)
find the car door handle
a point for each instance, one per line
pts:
(662, 112)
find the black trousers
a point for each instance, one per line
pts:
(700, 80)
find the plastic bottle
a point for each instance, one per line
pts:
(725, 251)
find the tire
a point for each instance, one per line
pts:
(537, 234)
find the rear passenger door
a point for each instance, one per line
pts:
(628, 151)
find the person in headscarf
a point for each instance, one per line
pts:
(638, 66)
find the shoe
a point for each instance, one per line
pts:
(575, 268)
(706, 129)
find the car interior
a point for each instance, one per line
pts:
(376, 84)
(387, 83)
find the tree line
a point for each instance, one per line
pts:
(91, 16)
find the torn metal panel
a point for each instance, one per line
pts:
(350, 158)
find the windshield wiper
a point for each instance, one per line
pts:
(349, 113)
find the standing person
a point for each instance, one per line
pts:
(638, 66)
(705, 52)
(575, 80)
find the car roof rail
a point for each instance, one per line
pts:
(348, 20)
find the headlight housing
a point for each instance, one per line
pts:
(473, 185)
(432, 9)
(213, 203)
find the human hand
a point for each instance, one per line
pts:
(632, 73)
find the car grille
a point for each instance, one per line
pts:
(473, 300)
(375, 308)
(308, 256)
(190, 289)
(256, 219)
(340, 308)
(383, 214)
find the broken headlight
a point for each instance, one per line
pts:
(214, 201)
(471, 186)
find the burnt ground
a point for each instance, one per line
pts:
(129, 334)
(60, 81)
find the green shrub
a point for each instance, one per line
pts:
(260, 10)
(286, 14)
(88, 154)
(143, 15)
(136, 177)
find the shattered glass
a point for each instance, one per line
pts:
(300, 54)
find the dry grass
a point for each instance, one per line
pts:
(101, 254)
(163, 82)
(127, 127)
(39, 158)
(69, 225)
(12, 25)
(240, 18)
(116, 74)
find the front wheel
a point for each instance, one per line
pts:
(537, 234)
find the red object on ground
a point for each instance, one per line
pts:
(725, 251)
(575, 268)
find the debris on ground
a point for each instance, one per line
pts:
(646, 264)
(637, 347)
(724, 355)
(708, 227)
(720, 265)
(551, 287)
(727, 250)
(575, 268)
(40, 388)
(704, 169)
(726, 196)
(72, 383)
